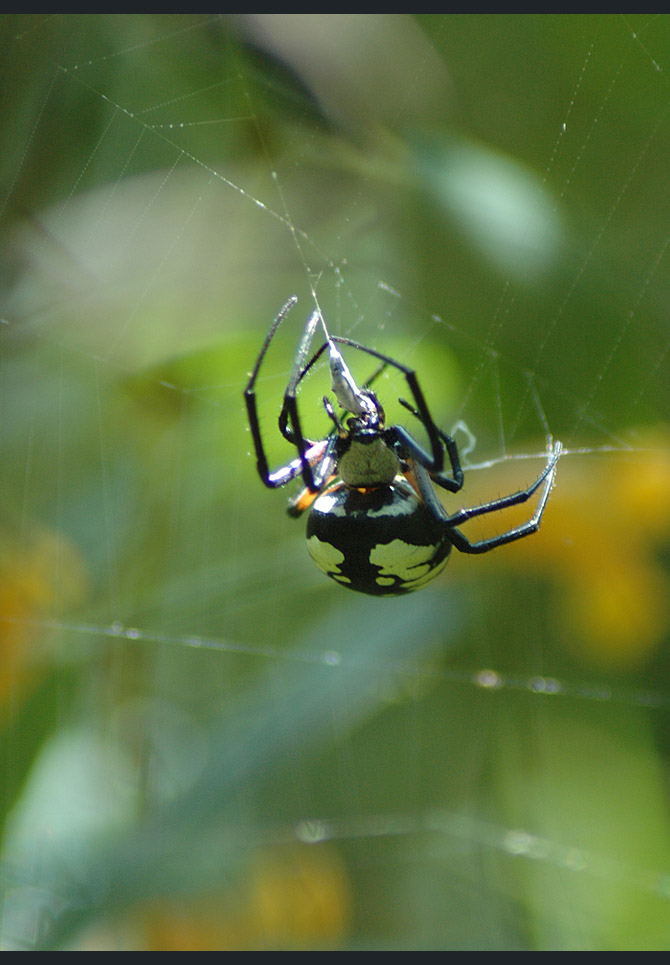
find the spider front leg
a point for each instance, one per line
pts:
(309, 454)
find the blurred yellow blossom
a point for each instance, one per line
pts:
(41, 574)
(602, 540)
(290, 898)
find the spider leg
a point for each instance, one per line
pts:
(270, 479)
(309, 453)
(546, 477)
(291, 402)
(284, 427)
(375, 375)
(419, 478)
(434, 461)
(452, 483)
(323, 477)
(291, 470)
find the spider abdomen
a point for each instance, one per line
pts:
(380, 540)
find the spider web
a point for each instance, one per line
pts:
(206, 743)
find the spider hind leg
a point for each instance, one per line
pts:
(545, 479)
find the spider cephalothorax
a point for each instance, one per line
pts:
(375, 523)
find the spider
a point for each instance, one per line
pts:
(375, 522)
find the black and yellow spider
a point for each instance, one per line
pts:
(375, 523)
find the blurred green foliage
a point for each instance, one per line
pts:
(204, 744)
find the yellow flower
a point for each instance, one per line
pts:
(41, 574)
(605, 528)
(297, 897)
